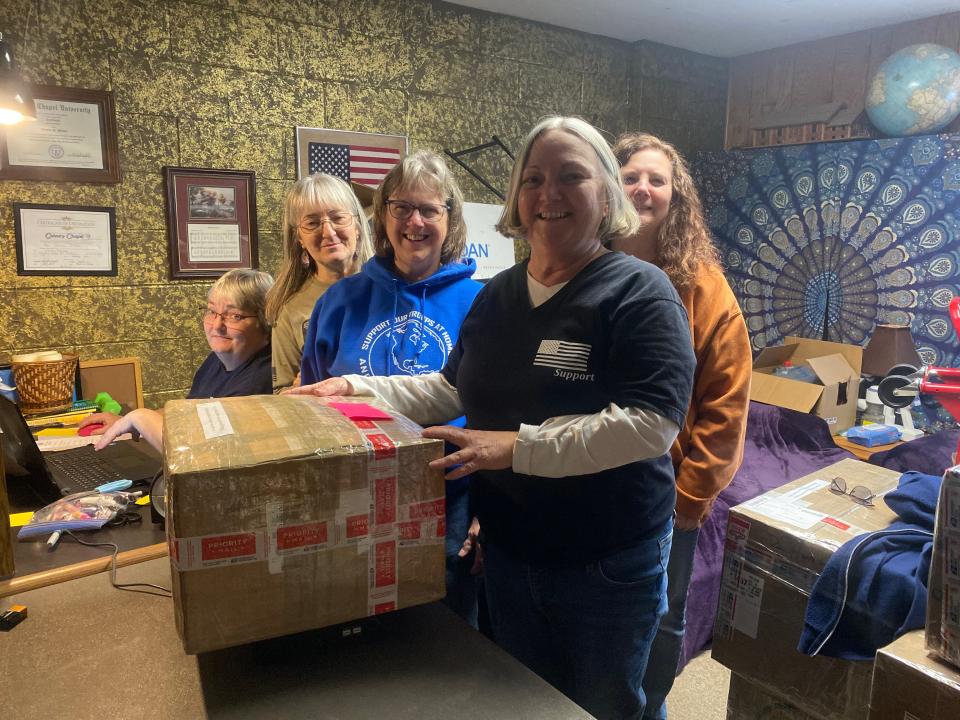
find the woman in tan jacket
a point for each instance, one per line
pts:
(709, 448)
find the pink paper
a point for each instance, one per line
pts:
(360, 411)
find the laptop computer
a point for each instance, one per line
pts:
(53, 475)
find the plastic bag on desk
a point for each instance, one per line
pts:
(89, 510)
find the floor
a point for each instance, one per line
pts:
(700, 693)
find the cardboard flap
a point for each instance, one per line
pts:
(815, 348)
(831, 368)
(783, 392)
(773, 356)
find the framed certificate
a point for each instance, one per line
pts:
(211, 221)
(73, 139)
(65, 240)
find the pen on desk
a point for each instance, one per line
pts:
(54, 539)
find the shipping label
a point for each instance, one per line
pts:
(214, 420)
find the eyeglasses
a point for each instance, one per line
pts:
(230, 319)
(314, 223)
(860, 494)
(430, 212)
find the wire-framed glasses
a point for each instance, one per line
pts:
(860, 494)
(230, 319)
(314, 223)
(430, 212)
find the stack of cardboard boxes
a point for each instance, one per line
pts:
(776, 547)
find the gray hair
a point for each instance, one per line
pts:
(621, 220)
(307, 193)
(422, 170)
(247, 290)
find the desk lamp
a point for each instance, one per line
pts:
(16, 100)
(889, 346)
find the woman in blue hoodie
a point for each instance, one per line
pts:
(401, 314)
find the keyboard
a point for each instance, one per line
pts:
(84, 469)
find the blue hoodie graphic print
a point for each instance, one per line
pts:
(376, 323)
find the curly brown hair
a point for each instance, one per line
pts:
(684, 243)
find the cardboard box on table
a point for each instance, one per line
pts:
(943, 597)
(776, 546)
(284, 515)
(909, 684)
(837, 367)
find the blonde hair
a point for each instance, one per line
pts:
(621, 220)
(422, 170)
(246, 290)
(684, 243)
(317, 190)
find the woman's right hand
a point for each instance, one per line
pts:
(101, 418)
(324, 388)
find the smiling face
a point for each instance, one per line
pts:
(233, 340)
(332, 248)
(562, 199)
(648, 180)
(416, 243)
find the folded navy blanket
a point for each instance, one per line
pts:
(874, 588)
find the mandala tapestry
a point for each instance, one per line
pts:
(827, 240)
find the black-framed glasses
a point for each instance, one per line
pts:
(860, 494)
(314, 223)
(430, 212)
(230, 319)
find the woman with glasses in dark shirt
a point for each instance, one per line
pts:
(237, 332)
(401, 314)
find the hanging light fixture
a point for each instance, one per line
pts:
(16, 100)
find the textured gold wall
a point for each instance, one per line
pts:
(223, 84)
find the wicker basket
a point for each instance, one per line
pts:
(45, 386)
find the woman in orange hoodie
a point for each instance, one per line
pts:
(709, 449)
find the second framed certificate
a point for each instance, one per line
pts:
(211, 221)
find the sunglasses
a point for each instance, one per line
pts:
(860, 494)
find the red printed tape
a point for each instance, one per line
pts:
(836, 523)
(228, 546)
(386, 564)
(294, 536)
(383, 447)
(357, 525)
(429, 509)
(385, 501)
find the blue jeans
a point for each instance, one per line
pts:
(586, 628)
(668, 644)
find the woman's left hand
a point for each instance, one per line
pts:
(479, 450)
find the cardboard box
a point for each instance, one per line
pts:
(837, 367)
(776, 546)
(943, 596)
(749, 701)
(908, 684)
(284, 515)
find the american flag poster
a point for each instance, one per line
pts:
(363, 158)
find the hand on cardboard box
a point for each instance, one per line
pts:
(324, 388)
(479, 450)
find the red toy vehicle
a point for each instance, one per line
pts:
(904, 382)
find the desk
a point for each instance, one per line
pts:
(862, 451)
(90, 651)
(35, 565)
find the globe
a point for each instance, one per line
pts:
(915, 91)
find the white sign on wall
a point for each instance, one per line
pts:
(491, 250)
